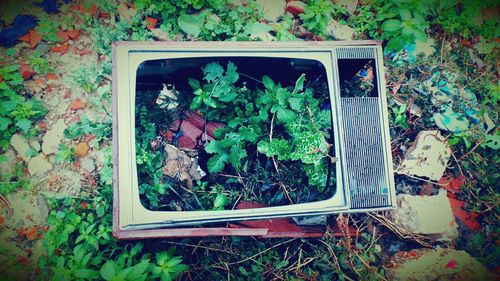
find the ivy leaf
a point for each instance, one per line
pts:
(217, 162)
(24, 124)
(212, 72)
(191, 24)
(231, 74)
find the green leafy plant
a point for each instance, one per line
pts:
(318, 14)
(404, 28)
(167, 266)
(16, 111)
(65, 154)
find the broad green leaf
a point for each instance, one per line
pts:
(195, 84)
(86, 274)
(217, 162)
(296, 104)
(391, 25)
(24, 124)
(213, 147)
(268, 82)
(108, 271)
(138, 271)
(191, 24)
(405, 14)
(236, 154)
(276, 147)
(4, 123)
(286, 115)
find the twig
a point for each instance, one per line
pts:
(261, 252)
(470, 151)
(403, 234)
(198, 246)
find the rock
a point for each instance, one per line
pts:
(7, 165)
(26, 71)
(349, 5)
(81, 149)
(87, 164)
(428, 157)
(180, 166)
(29, 209)
(52, 139)
(35, 145)
(295, 7)
(437, 264)
(340, 31)
(21, 146)
(427, 215)
(77, 104)
(66, 183)
(273, 9)
(39, 165)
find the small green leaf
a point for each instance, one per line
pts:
(86, 274)
(191, 24)
(391, 25)
(286, 115)
(24, 124)
(220, 201)
(299, 84)
(195, 84)
(108, 271)
(4, 123)
(231, 74)
(217, 162)
(268, 82)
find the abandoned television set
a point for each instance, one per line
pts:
(342, 80)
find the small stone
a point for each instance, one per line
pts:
(273, 9)
(426, 215)
(349, 5)
(428, 156)
(7, 165)
(180, 166)
(437, 264)
(35, 145)
(340, 31)
(77, 104)
(81, 149)
(39, 165)
(52, 139)
(21, 146)
(87, 164)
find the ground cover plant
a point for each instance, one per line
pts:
(55, 131)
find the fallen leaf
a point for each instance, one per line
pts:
(77, 104)
(151, 23)
(26, 71)
(452, 264)
(451, 184)
(51, 76)
(32, 38)
(60, 48)
(469, 219)
(295, 7)
(62, 34)
(39, 82)
(73, 34)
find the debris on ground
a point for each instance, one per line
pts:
(180, 166)
(428, 157)
(427, 215)
(437, 264)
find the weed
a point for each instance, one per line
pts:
(318, 14)
(65, 154)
